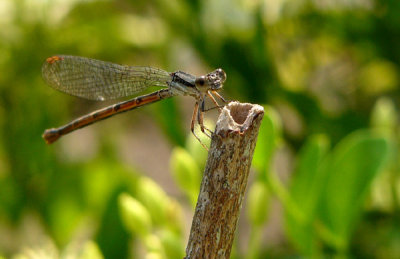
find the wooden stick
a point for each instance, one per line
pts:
(224, 181)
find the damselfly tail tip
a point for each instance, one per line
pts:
(50, 135)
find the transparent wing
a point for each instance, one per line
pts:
(99, 80)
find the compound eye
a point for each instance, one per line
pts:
(221, 74)
(200, 81)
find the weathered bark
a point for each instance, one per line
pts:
(224, 181)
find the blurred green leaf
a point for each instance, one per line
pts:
(384, 116)
(307, 181)
(267, 141)
(153, 198)
(154, 246)
(354, 163)
(379, 76)
(112, 235)
(90, 250)
(173, 244)
(154, 255)
(134, 215)
(258, 203)
(186, 173)
(65, 214)
(101, 178)
(305, 188)
(175, 216)
(383, 192)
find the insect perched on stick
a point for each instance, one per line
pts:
(99, 80)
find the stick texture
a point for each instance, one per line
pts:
(224, 181)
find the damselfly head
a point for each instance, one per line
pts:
(212, 81)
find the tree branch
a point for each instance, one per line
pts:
(224, 181)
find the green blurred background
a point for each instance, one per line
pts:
(325, 180)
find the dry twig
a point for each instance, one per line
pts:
(224, 181)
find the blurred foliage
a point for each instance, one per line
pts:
(327, 150)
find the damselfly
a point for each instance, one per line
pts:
(99, 80)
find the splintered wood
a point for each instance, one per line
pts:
(224, 181)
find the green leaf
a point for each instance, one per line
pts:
(90, 250)
(307, 181)
(186, 173)
(153, 245)
(173, 244)
(153, 197)
(305, 189)
(268, 137)
(175, 217)
(134, 215)
(258, 203)
(353, 165)
(257, 212)
(65, 215)
(384, 116)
